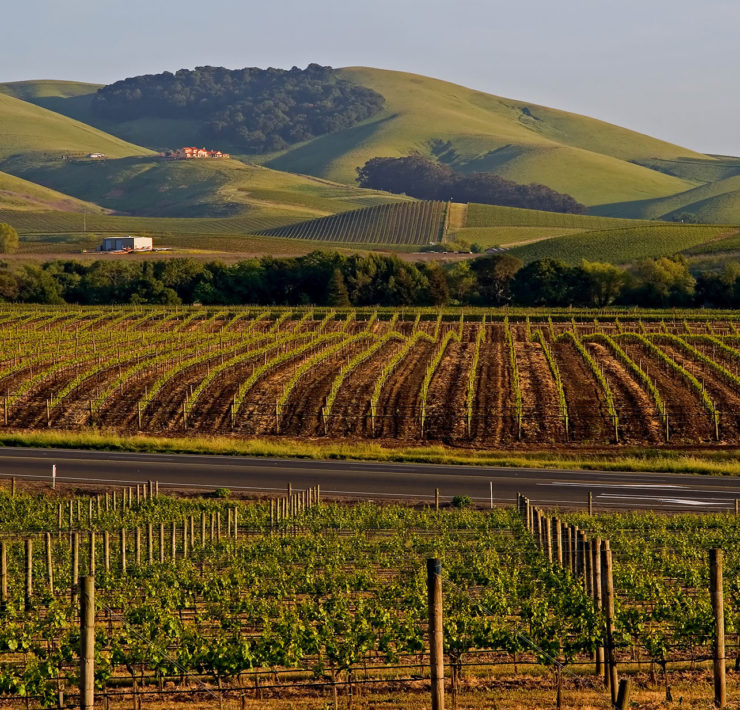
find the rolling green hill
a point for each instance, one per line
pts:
(21, 195)
(594, 161)
(28, 131)
(195, 188)
(619, 173)
(586, 158)
(623, 245)
(714, 202)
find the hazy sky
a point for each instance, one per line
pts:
(669, 68)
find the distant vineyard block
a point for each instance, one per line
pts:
(402, 223)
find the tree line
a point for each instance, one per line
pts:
(255, 110)
(329, 278)
(425, 179)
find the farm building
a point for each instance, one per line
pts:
(190, 153)
(128, 243)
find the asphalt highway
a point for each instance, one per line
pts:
(368, 480)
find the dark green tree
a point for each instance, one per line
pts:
(8, 239)
(337, 294)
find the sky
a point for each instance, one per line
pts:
(668, 68)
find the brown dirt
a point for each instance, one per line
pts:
(541, 420)
(446, 420)
(688, 420)
(399, 404)
(725, 395)
(493, 418)
(589, 418)
(257, 414)
(352, 404)
(302, 413)
(639, 421)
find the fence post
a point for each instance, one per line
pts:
(3, 576)
(718, 607)
(597, 594)
(87, 643)
(436, 499)
(623, 696)
(123, 550)
(607, 586)
(558, 530)
(75, 571)
(161, 543)
(436, 634)
(92, 561)
(590, 503)
(29, 573)
(49, 565)
(106, 549)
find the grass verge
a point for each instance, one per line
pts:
(724, 462)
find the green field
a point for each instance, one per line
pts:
(594, 161)
(21, 195)
(495, 216)
(30, 130)
(405, 223)
(621, 246)
(586, 158)
(619, 173)
(508, 236)
(225, 599)
(714, 202)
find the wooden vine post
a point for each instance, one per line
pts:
(718, 609)
(436, 634)
(607, 588)
(87, 643)
(3, 576)
(597, 595)
(29, 574)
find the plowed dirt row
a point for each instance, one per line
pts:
(688, 420)
(446, 418)
(725, 396)
(301, 415)
(589, 418)
(257, 414)
(541, 420)
(493, 419)
(352, 406)
(639, 420)
(398, 406)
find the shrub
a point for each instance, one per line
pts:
(222, 493)
(462, 502)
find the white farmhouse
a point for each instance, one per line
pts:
(128, 243)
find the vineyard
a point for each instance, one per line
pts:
(481, 379)
(228, 603)
(403, 223)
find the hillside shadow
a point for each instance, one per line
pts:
(317, 155)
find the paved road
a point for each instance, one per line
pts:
(361, 480)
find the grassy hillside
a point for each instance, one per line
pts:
(22, 195)
(201, 188)
(476, 131)
(29, 130)
(714, 202)
(594, 161)
(621, 246)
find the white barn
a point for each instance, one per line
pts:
(128, 243)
